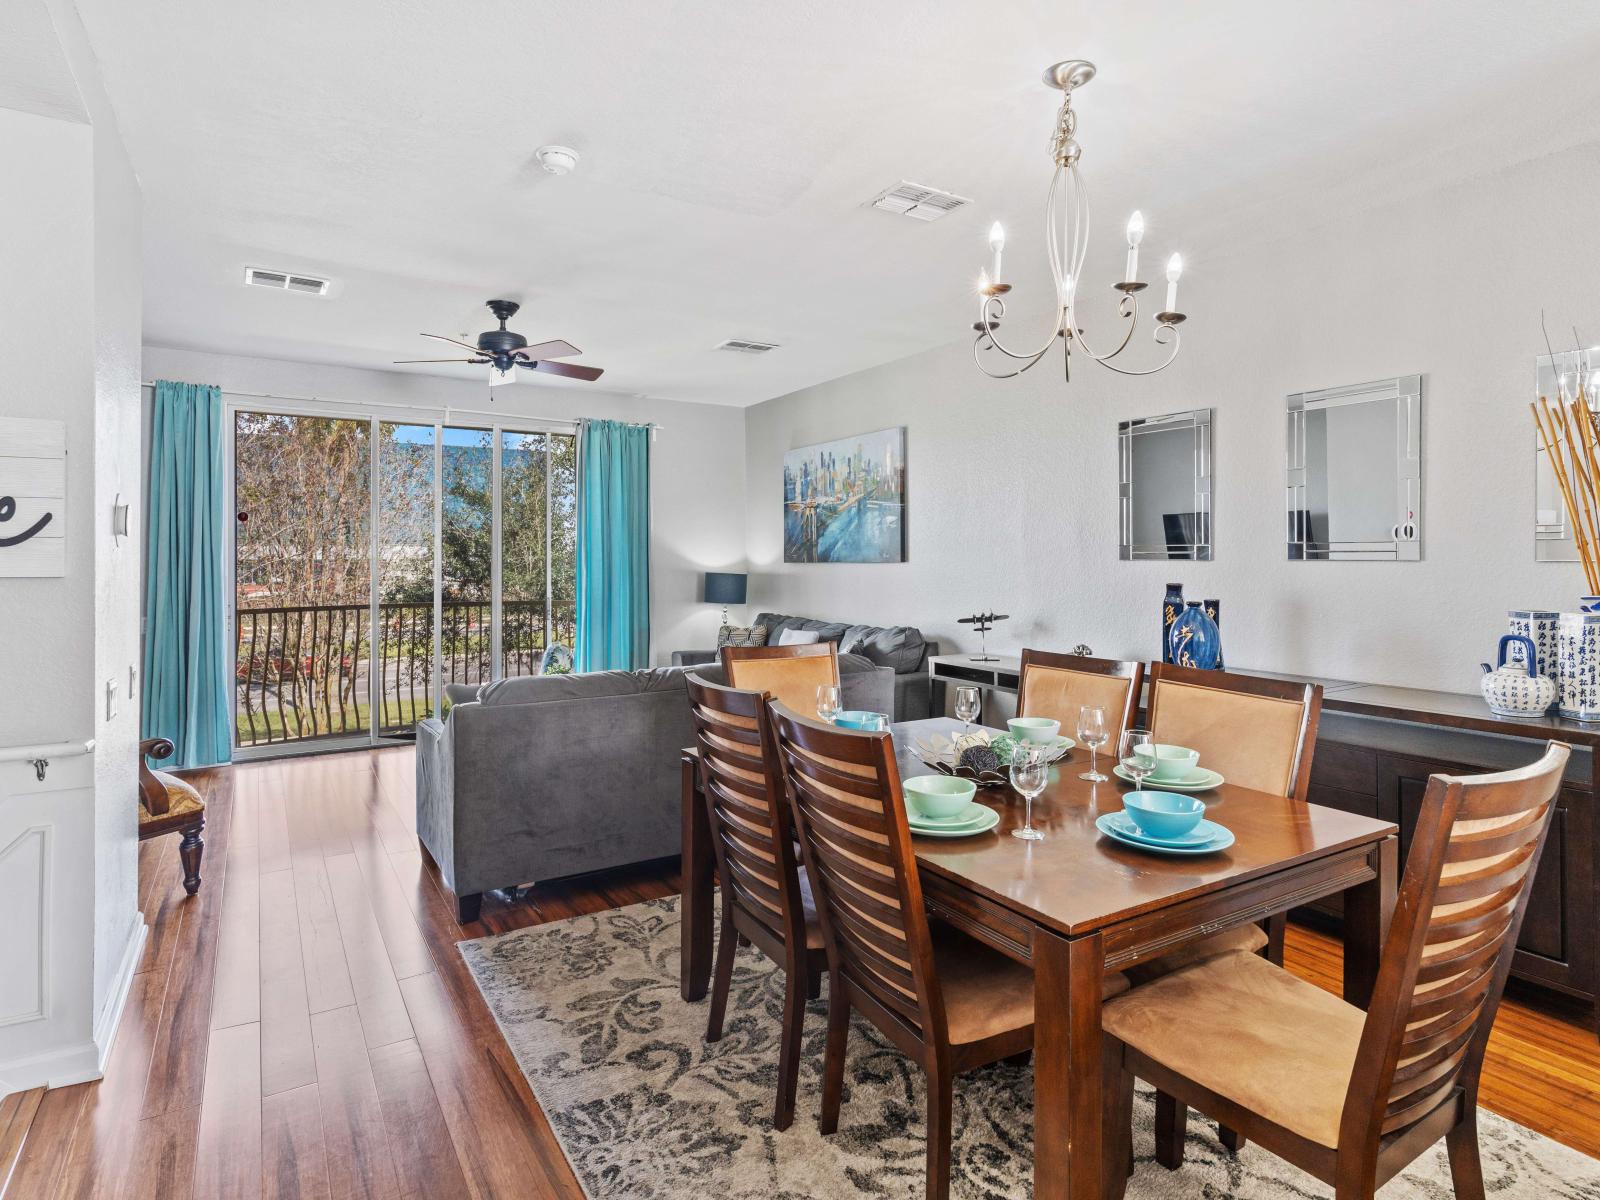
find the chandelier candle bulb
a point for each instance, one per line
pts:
(1174, 270)
(1135, 236)
(997, 243)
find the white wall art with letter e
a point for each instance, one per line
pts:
(33, 495)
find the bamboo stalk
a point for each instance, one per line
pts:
(1546, 425)
(1577, 483)
(1579, 471)
(1582, 422)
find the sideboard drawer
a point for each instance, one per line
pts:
(1352, 768)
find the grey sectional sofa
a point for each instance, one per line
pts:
(899, 647)
(546, 776)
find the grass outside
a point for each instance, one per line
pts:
(259, 727)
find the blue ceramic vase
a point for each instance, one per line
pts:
(1171, 606)
(1195, 640)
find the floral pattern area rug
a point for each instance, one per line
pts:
(645, 1108)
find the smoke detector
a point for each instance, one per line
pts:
(558, 160)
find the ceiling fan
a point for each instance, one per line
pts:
(505, 351)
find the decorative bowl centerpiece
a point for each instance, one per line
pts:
(978, 755)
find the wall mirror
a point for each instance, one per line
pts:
(1164, 482)
(1355, 472)
(1556, 377)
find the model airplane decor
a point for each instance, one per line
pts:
(983, 622)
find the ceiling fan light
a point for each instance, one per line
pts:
(497, 376)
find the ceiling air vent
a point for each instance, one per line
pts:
(918, 202)
(283, 281)
(741, 346)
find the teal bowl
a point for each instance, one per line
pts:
(1034, 729)
(860, 718)
(1163, 814)
(937, 795)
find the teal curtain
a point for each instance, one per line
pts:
(185, 650)
(613, 546)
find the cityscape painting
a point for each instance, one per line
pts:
(845, 501)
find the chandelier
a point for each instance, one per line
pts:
(1067, 242)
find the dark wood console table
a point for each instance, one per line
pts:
(1376, 747)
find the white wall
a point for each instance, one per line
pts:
(696, 472)
(1012, 485)
(69, 350)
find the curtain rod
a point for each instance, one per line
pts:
(446, 409)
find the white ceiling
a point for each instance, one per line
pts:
(728, 148)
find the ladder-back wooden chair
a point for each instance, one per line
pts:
(792, 674)
(946, 1000)
(1058, 685)
(1353, 1097)
(765, 899)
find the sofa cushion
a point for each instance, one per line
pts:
(798, 637)
(899, 646)
(741, 635)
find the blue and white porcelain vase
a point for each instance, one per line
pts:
(1194, 640)
(1578, 666)
(1541, 628)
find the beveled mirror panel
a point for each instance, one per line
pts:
(1355, 472)
(1164, 485)
(1554, 378)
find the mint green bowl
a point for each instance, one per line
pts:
(938, 795)
(1034, 729)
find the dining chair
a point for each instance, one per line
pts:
(1353, 1097)
(1058, 685)
(792, 674)
(1259, 733)
(765, 897)
(945, 999)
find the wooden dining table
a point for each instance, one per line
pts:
(1078, 904)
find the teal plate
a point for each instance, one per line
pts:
(1115, 826)
(981, 825)
(1198, 780)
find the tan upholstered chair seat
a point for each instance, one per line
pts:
(986, 993)
(1245, 938)
(182, 800)
(1251, 1032)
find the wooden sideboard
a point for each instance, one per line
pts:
(1376, 747)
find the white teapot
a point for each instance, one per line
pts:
(1513, 689)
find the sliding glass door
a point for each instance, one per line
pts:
(377, 561)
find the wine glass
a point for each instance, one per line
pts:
(968, 705)
(1030, 771)
(1092, 733)
(829, 702)
(1138, 755)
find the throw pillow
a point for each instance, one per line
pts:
(798, 637)
(741, 635)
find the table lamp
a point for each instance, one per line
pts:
(725, 588)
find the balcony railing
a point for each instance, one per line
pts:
(303, 673)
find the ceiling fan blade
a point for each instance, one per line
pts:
(552, 349)
(453, 342)
(571, 370)
(401, 361)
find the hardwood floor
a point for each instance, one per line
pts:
(304, 1027)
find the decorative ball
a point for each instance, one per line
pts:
(980, 759)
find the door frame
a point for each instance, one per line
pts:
(440, 418)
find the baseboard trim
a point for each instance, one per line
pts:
(110, 1018)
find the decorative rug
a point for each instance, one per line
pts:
(645, 1108)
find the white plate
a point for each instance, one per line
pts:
(1199, 780)
(982, 825)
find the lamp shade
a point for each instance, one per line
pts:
(725, 587)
